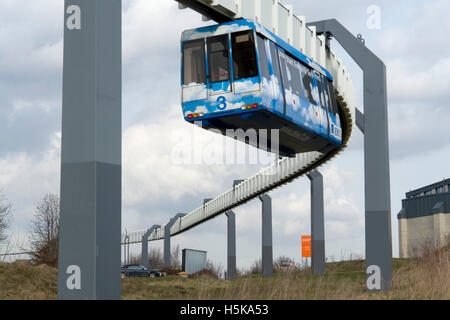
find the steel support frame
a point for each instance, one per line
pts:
(374, 125)
(126, 250)
(90, 219)
(267, 245)
(231, 240)
(167, 263)
(231, 245)
(144, 254)
(205, 10)
(317, 223)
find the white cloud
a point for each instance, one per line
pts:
(412, 82)
(150, 155)
(25, 178)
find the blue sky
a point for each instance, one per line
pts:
(412, 41)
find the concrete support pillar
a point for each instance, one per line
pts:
(403, 234)
(374, 125)
(125, 242)
(91, 186)
(317, 224)
(145, 237)
(231, 245)
(167, 227)
(439, 232)
(267, 250)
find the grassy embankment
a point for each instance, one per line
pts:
(424, 278)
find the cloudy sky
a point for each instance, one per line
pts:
(412, 40)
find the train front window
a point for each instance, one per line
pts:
(194, 70)
(218, 59)
(244, 55)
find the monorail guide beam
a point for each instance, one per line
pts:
(144, 253)
(267, 248)
(90, 220)
(317, 223)
(206, 11)
(376, 156)
(167, 263)
(231, 245)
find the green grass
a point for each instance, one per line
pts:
(426, 278)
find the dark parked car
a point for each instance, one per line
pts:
(136, 270)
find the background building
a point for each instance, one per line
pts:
(193, 261)
(424, 219)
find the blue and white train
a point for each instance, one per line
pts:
(239, 75)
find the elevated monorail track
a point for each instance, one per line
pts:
(285, 170)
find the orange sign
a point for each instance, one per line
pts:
(306, 246)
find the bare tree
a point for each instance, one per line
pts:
(45, 231)
(5, 218)
(175, 257)
(156, 258)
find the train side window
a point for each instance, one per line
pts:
(194, 69)
(275, 64)
(244, 55)
(320, 87)
(332, 98)
(218, 59)
(308, 84)
(327, 95)
(284, 73)
(263, 60)
(296, 86)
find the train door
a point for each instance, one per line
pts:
(277, 81)
(267, 89)
(219, 81)
(323, 111)
(285, 79)
(312, 97)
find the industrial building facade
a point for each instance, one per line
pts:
(424, 219)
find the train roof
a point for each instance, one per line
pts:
(246, 24)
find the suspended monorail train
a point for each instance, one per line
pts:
(239, 75)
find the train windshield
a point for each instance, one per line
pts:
(194, 70)
(244, 55)
(218, 59)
